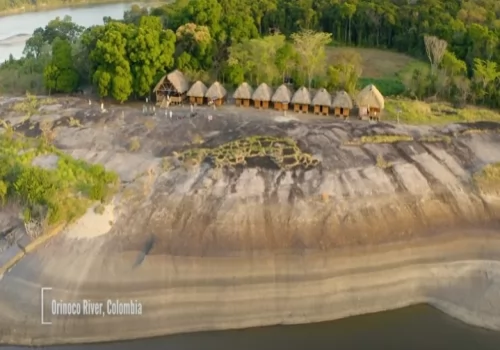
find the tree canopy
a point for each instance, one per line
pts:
(272, 41)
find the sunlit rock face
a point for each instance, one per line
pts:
(387, 216)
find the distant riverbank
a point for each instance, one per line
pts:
(56, 4)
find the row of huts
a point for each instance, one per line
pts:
(176, 88)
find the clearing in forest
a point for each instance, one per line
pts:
(377, 63)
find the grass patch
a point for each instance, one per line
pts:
(419, 112)
(378, 139)
(377, 63)
(134, 145)
(488, 178)
(283, 152)
(382, 163)
(53, 196)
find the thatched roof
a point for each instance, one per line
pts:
(342, 100)
(197, 90)
(243, 92)
(216, 91)
(177, 79)
(282, 94)
(302, 96)
(262, 93)
(370, 97)
(322, 98)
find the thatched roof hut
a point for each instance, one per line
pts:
(197, 90)
(282, 94)
(322, 98)
(243, 92)
(342, 100)
(178, 81)
(370, 97)
(216, 91)
(263, 93)
(302, 96)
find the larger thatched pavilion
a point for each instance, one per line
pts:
(197, 93)
(342, 104)
(216, 93)
(282, 98)
(370, 102)
(322, 102)
(301, 100)
(262, 95)
(243, 95)
(172, 88)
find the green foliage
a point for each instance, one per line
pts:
(229, 40)
(488, 178)
(60, 75)
(386, 86)
(64, 193)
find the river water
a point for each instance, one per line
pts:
(414, 328)
(15, 29)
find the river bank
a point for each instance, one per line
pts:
(413, 328)
(202, 248)
(59, 4)
(458, 276)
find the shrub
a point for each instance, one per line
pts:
(59, 195)
(386, 86)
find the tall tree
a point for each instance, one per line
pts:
(113, 75)
(310, 47)
(60, 75)
(435, 49)
(150, 51)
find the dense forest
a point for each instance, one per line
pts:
(271, 41)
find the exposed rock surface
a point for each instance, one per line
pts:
(375, 226)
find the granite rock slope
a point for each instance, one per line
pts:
(391, 216)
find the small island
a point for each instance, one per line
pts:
(205, 166)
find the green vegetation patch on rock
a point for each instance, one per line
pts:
(378, 139)
(281, 151)
(488, 178)
(55, 195)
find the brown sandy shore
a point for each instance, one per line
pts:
(202, 249)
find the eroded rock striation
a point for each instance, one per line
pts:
(385, 216)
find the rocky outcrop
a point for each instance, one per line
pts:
(379, 223)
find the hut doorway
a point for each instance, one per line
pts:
(374, 113)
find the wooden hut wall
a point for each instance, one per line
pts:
(325, 110)
(305, 108)
(246, 102)
(238, 102)
(278, 106)
(317, 109)
(341, 112)
(258, 104)
(219, 101)
(296, 107)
